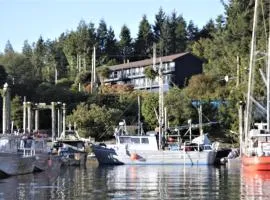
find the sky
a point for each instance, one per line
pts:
(22, 20)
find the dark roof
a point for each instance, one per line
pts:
(147, 62)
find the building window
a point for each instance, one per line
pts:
(128, 72)
(172, 66)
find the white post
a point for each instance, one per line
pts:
(24, 115)
(94, 64)
(190, 128)
(56, 76)
(64, 119)
(29, 117)
(165, 121)
(53, 120)
(58, 119)
(36, 119)
(4, 124)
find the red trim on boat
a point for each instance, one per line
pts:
(258, 163)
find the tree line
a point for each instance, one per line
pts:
(33, 72)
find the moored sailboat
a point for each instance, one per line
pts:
(255, 148)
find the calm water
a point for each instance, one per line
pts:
(138, 182)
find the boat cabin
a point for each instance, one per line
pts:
(142, 142)
(259, 140)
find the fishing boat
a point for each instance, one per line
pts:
(149, 148)
(12, 161)
(255, 142)
(71, 148)
(144, 150)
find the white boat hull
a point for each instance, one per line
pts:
(114, 156)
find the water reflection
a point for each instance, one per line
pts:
(169, 182)
(29, 186)
(125, 182)
(255, 184)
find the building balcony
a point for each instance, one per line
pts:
(153, 87)
(169, 70)
(138, 75)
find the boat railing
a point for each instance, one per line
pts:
(28, 152)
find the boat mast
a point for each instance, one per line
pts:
(200, 118)
(251, 71)
(268, 82)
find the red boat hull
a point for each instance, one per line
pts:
(256, 163)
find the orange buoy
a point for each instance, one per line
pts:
(133, 156)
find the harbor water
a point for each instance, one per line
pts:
(138, 182)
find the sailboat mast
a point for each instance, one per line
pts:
(251, 71)
(200, 119)
(268, 84)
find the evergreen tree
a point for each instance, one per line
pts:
(163, 44)
(192, 32)
(86, 39)
(160, 18)
(27, 50)
(181, 35)
(160, 31)
(70, 51)
(102, 33)
(3, 76)
(125, 43)
(177, 34)
(111, 46)
(208, 30)
(145, 39)
(8, 48)
(38, 57)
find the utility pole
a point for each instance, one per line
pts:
(154, 55)
(93, 70)
(55, 75)
(161, 104)
(139, 115)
